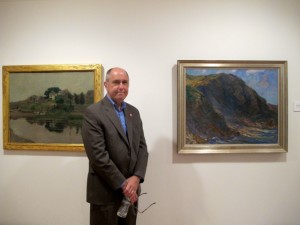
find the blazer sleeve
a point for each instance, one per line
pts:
(142, 156)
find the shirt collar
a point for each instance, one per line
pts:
(123, 104)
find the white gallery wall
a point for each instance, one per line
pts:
(147, 38)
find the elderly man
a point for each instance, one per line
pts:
(114, 141)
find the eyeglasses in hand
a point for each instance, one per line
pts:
(146, 207)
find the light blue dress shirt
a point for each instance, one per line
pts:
(120, 113)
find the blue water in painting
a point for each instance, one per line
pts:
(263, 137)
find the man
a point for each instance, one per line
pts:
(114, 141)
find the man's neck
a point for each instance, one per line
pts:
(119, 105)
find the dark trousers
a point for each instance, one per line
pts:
(107, 215)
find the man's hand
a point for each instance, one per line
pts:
(130, 188)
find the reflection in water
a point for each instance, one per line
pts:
(46, 131)
(55, 126)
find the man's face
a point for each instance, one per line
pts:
(117, 85)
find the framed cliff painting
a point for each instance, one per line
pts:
(232, 106)
(43, 105)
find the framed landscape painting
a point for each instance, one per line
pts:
(43, 105)
(232, 106)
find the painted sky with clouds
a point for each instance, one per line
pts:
(263, 81)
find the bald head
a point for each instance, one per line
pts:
(115, 70)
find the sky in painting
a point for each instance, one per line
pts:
(263, 81)
(24, 85)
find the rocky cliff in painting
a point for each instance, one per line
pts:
(222, 109)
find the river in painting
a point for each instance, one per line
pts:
(49, 131)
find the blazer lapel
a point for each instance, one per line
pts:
(128, 117)
(110, 111)
(129, 123)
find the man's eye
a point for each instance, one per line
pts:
(120, 82)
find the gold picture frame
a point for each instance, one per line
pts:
(232, 106)
(43, 105)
